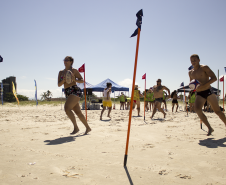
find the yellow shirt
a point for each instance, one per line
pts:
(136, 95)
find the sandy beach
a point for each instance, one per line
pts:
(37, 148)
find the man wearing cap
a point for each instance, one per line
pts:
(158, 94)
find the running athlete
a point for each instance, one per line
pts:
(73, 94)
(158, 94)
(205, 76)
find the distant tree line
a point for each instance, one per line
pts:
(9, 97)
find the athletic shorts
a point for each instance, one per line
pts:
(75, 90)
(174, 101)
(204, 94)
(107, 103)
(159, 100)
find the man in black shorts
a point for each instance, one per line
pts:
(205, 76)
(158, 94)
(174, 96)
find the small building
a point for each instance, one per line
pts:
(7, 85)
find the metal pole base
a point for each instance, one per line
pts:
(125, 160)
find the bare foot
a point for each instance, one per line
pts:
(109, 116)
(87, 131)
(100, 118)
(210, 132)
(75, 131)
(151, 117)
(165, 115)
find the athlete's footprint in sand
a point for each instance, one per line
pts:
(184, 176)
(148, 146)
(163, 172)
(71, 172)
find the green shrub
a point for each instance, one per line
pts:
(9, 97)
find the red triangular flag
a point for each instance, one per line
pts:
(144, 76)
(222, 79)
(82, 69)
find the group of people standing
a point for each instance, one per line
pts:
(154, 96)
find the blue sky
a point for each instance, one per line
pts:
(37, 35)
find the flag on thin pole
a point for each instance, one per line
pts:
(136, 32)
(182, 84)
(82, 70)
(14, 93)
(222, 80)
(2, 92)
(144, 77)
(1, 59)
(225, 69)
(36, 93)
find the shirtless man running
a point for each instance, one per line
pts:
(158, 94)
(205, 76)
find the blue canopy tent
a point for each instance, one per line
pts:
(81, 86)
(115, 87)
(102, 85)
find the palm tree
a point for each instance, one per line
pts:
(44, 96)
(49, 94)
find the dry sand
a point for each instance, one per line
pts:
(36, 148)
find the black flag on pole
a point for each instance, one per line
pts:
(1, 59)
(139, 22)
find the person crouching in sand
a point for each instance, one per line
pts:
(158, 94)
(73, 94)
(205, 76)
(107, 100)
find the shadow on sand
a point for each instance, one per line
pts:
(128, 175)
(137, 116)
(61, 140)
(106, 120)
(211, 143)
